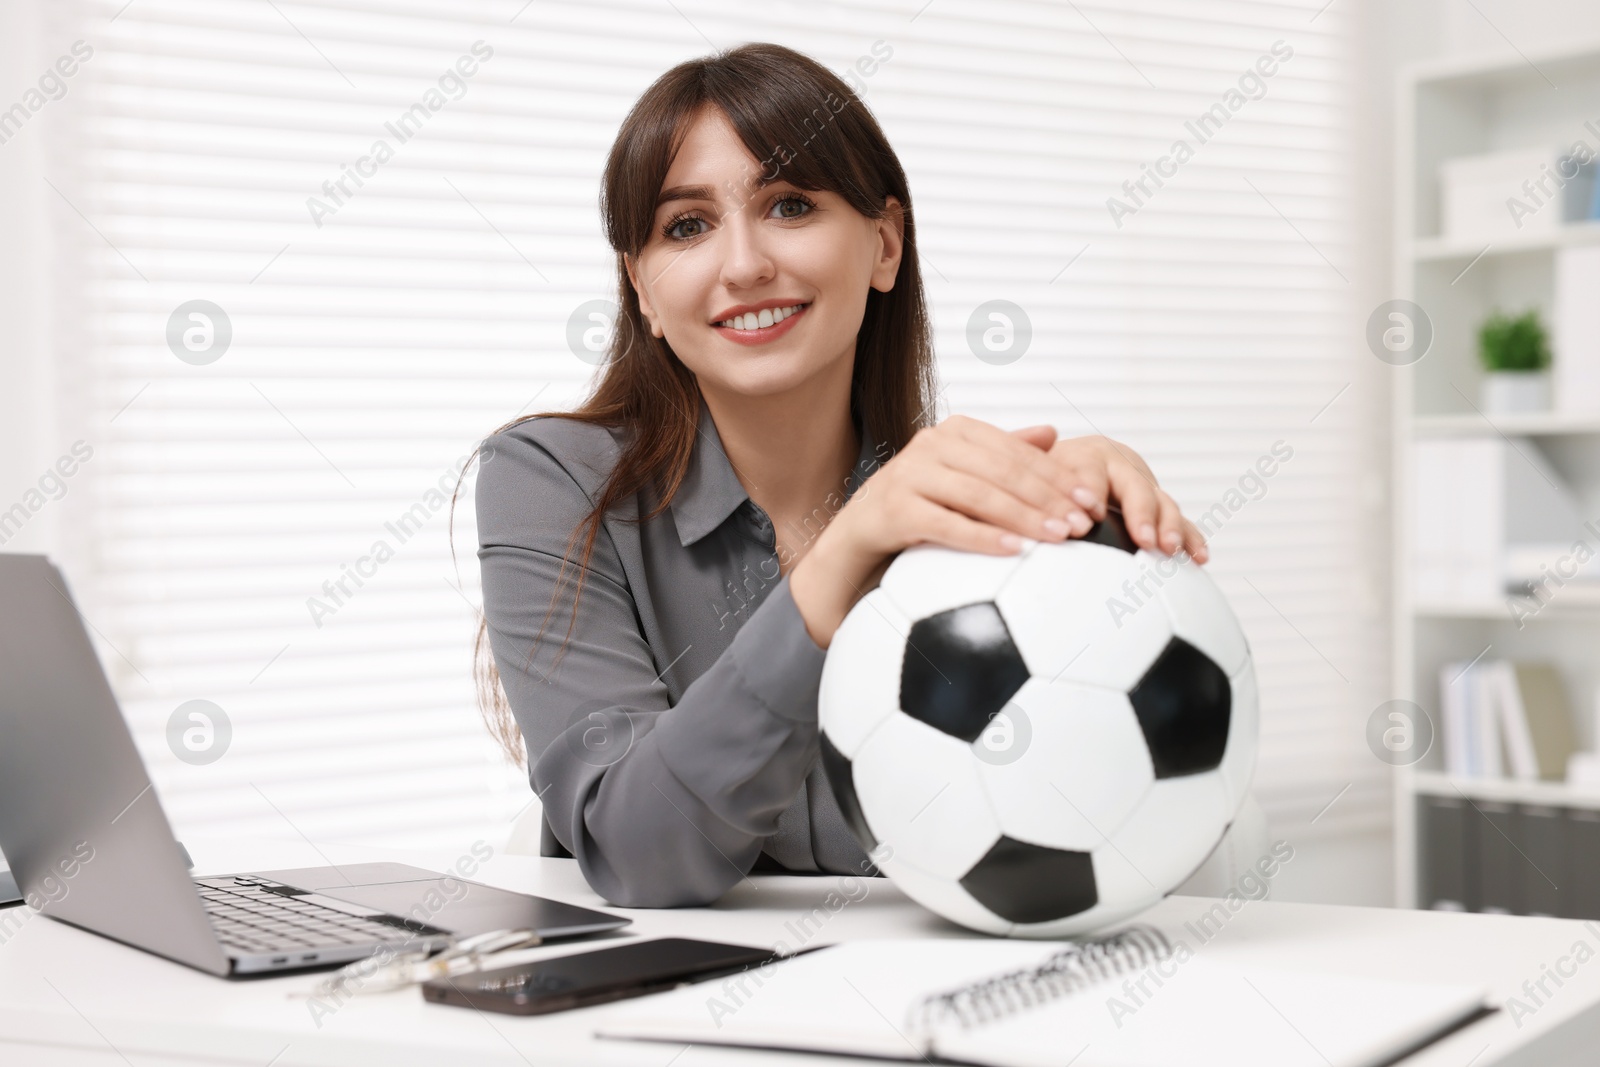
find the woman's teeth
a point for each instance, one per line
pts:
(752, 320)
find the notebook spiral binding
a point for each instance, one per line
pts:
(1073, 968)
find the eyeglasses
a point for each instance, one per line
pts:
(386, 970)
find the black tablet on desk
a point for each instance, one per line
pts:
(581, 979)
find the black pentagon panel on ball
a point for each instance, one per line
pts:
(1184, 704)
(1025, 883)
(960, 668)
(841, 777)
(1111, 532)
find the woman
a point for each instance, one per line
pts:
(757, 449)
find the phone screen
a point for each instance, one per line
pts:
(586, 978)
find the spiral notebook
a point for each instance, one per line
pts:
(1125, 1001)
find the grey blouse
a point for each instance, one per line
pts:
(675, 745)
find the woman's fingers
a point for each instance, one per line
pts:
(1141, 505)
(1194, 542)
(987, 438)
(1104, 470)
(987, 502)
(1009, 462)
(1169, 524)
(1155, 521)
(955, 530)
(1090, 483)
(1128, 455)
(1042, 436)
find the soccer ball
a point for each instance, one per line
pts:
(1043, 744)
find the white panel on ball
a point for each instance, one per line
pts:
(1244, 734)
(1177, 825)
(927, 579)
(1082, 766)
(1058, 607)
(944, 897)
(861, 682)
(919, 791)
(1201, 616)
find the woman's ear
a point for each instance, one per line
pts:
(891, 244)
(644, 301)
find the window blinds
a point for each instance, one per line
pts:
(389, 206)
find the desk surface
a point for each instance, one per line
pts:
(70, 998)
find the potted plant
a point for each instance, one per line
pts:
(1516, 360)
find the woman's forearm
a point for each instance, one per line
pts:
(830, 578)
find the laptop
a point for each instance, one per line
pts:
(89, 844)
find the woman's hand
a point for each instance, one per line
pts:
(1105, 470)
(966, 484)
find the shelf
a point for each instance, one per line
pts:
(1530, 424)
(1446, 249)
(1496, 69)
(1497, 611)
(1556, 794)
(1450, 109)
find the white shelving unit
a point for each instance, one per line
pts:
(1447, 110)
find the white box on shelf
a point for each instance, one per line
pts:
(1476, 500)
(1576, 333)
(1479, 195)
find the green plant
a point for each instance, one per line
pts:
(1513, 344)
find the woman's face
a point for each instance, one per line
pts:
(757, 289)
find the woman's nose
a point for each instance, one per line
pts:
(748, 260)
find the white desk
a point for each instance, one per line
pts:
(71, 998)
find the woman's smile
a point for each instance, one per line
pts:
(757, 324)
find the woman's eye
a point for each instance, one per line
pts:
(696, 228)
(791, 207)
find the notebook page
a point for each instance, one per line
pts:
(849, 998)
(1211, 1013)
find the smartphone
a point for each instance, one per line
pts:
(585, 978)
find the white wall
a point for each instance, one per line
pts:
(28, 435)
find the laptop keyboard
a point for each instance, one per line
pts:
(256, 915)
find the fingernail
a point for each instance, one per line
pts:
(1147, 533)
(1056, 527)
(1084, 497)
(1171, 542)
(1011, 541)
(1080, 523)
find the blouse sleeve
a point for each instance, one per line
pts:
(662, 805)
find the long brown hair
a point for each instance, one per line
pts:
(803, 122)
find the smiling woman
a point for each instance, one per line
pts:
(772, 345)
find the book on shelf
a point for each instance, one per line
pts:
(1506, 719)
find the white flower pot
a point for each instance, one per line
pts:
(1507, 391)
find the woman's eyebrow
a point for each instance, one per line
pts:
(685, 192)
